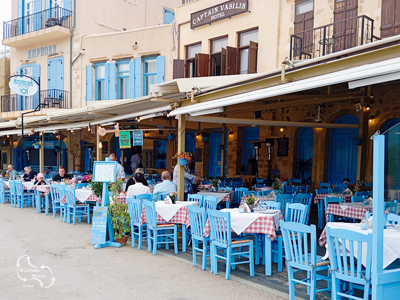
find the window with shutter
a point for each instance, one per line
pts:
(178, 69)
(202, 64)
(216, 64)
(100, 75)
(390, 24)
(89, 83)
(232, 61)
(191, 52)
(149, 74)
(123, 80)
(345, 30)
(248, 49)
(303, 26)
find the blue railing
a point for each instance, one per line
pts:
(56, 16)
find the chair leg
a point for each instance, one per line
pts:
(214, 258)
(313, 285)
(291, 284)
(155, 239)
(194, 246)
(148, 240)
(176, 240)
(228, 263)
(280, 254)
(140, 237)
(132, 236)
(251, 259)
(204, 262)
(166, 239)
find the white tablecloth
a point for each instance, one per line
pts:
(345, 206)
(83, 195)
(220, 196)
(27, 184)
(391, 241)
(167, 211)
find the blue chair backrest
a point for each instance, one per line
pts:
(324, 185)
(391, 206)
(259, 185)
(260, 181)
(248, 194)
(283, 200)
(288, 189)
(323, 191)
(80, 185)
(70, 195)
(349, 268)
(393, 219)
(135, 207)
(357, 198)
(220, 224)
(206, 182)
(239, 194)
(150, 208)
(266, 193)
(368, 184)
(54, 192)
(210, 202)
(303, 199)
(341, 185)
(2, 188)
(269, 205)
(297, 181)
(144, 197)
(296, 212)
(338, 190)
(362, 193)
(302, 189)
(296, 248)
(19, 188)
(12, 187)
(197, 198)
(332, 200)
(198, 219)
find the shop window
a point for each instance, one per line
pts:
(100, 75)
(123, 80)
(248, 48)
(218, 56)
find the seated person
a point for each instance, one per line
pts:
(29, 173)
(138, 188)
(167, 186)
(132, 182)
(62, 174)
(40, 180)
(11, 172)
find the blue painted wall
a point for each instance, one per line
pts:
(249, 135)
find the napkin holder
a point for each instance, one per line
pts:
(246, 208)
(168, 200)
(347, 192)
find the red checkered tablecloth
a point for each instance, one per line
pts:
(205, 186)
(181, 217)
(346, 198)
(264, 188)
(122, 199)
(265, 224)
(258, 198)
(91, 198)
(355, 212)
(43, 189)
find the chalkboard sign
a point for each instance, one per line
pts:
(99, 225)
(198, 155)
(283, 147)
(147, 158)
(105, 171)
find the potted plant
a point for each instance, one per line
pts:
(275, 186)
(173, 196)
(120, 221)
(357, 141)
(183, 158)
(170, 136)
(97, 188)
(36, 145)
(205, 136)
(250, 202)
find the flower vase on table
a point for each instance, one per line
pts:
(173, 196)
(250, 202)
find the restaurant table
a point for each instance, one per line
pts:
(27, 185)
(355, 210)
(205, 186)
(46, 190)
(83, 196)
(172, 213)
(346, 198)
(258, 199)
(222, 196)
(258, 223)
(391, 240)
(264, 188)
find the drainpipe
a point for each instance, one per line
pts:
(70, 56)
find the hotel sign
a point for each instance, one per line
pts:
(218, 12)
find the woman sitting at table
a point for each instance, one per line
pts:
(131, 181)
(138, 188)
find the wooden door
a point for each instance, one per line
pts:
(345, 29)
(303, 27)
(390, 24)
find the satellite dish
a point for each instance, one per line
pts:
(318, 119)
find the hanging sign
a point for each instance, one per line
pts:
(218, 12)
(283, 147)
(124, 139)
(137, 138)
(23, 86)
(99, 225)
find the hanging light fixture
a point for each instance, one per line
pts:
(230, 134)
(281, 129)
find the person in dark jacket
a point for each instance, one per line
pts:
(62, 174)
(132, 182)
(29, 173)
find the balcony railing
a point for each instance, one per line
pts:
(56, 16)
(49, 99)
(332, 38)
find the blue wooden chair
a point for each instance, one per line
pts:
(342, 186)
(221, 239)
(305, 199)
(328, 200)
(23, 198)
(4, 194)
(349, 268)
(239, 194)
(145, 197)
(159, 233)
(321, 206)
(135, 207)
(283, 200)
(198, 219)
(210, 202)
(13, 193)
(302, 189)
(57, 192)
(391, 206)
(295, 212)
(357, 198)
(301, 255)
(197, 198)
(266, 193)
(80, 185)
(297, 181)
(75, 210)
(364, 194)
(269, 205)
(324, 185)
(393, 219)
(288, 189)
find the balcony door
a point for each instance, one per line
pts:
(303, 25)
(55, 78)
(390, 18)
(345, 29)
(29, 13)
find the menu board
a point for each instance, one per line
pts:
(105, 171)
(147, 158)
(283, 147)
(99, 225)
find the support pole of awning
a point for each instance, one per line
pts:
(41, 154)
(98, 158)
(181, 148)
(236, 121)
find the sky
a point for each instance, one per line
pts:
(5, 15)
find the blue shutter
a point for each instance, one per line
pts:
(89, 83)
(169, 16)
(20, 15)
(19, 98)
(47, 13)
(38, 16)
(138, 77)
(110, 79)
(132, 79)
(106, 83)
(36, 75)
(160, 69)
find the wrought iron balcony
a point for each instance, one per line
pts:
(56, 16)
(332, 38)
(48, 98)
